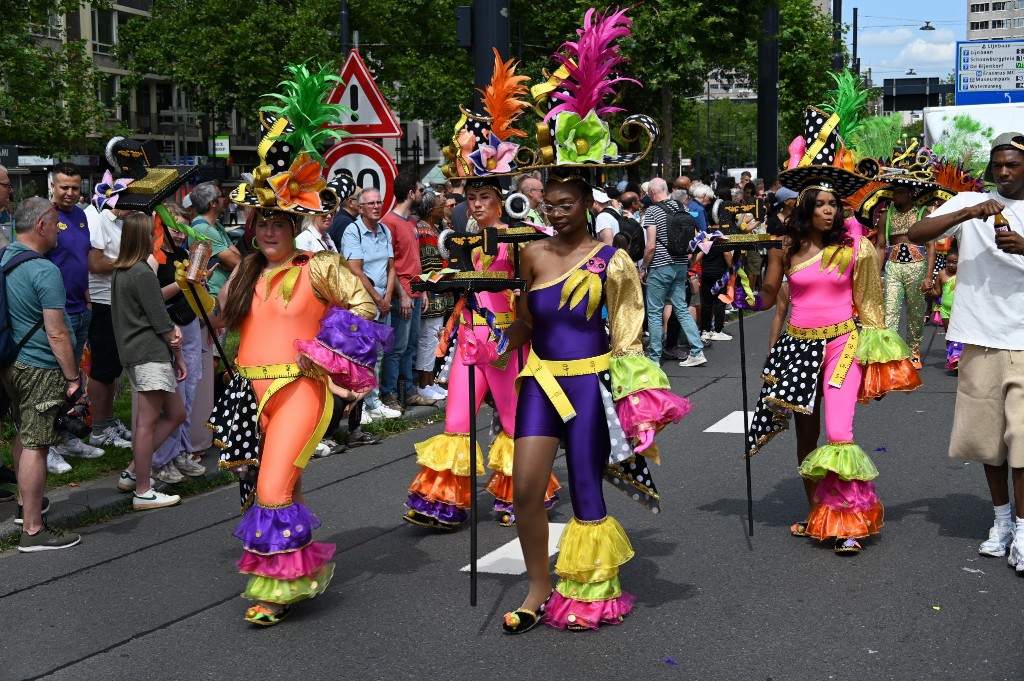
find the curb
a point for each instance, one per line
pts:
(70, 506)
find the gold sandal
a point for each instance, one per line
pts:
(264, 616)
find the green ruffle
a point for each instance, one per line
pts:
(633, 373)
(847, 460)
(877, 346)
(589, 593)
(285, 592)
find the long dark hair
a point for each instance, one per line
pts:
(800, 223)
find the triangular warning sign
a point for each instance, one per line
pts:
(371, 116)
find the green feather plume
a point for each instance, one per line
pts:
(847, 100)
(878, 136)
(303, 103)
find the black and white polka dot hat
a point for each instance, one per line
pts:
(815, 169)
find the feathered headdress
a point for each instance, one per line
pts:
(289, 177)
(500, 98)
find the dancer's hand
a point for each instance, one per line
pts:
(306, 364)
(474, 352)
(646, 438)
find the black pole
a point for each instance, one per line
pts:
(343, 16)
(707, 170)
(837, 35)
(768, 94)
(490, 30)
(696, 145)
(746, 414)
(855, 63)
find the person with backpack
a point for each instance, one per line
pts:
(669, 228)
(38, 363)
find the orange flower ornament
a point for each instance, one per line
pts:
(300, 185)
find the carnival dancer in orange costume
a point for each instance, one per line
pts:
(305, 333)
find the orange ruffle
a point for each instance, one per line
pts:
(500, 485)
(885, 377)
(442, 486)
(825, 522)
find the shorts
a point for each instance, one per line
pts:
(427, 343)
(153, 376)
(36, 398)
(106, 363)
(988, 423)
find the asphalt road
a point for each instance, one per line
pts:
(155, 595)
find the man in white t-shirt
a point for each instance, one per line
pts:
(988, 318)
(606, 225)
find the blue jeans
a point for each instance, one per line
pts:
(393, 360)
(80, 326)
(668, 283)
(408, 362)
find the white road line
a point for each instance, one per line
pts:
(508, 559)
(733, 423)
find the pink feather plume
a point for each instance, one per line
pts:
(591, 62)
(796, 151)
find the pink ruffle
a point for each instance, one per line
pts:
(288, 566)
(845, 495)
(561, 611)
(343, 371)
(651, 409)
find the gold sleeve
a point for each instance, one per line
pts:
(867, 287)
(334, 284)
(625, 306)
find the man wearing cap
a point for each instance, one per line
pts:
(606, 224)
(988, 318)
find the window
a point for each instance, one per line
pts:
(52, 28)
(998, 23)
(1018, 23)
(108, 91)
(104, 31)
(979, 7)
(999, 6)
(979, 25)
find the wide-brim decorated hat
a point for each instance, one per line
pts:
(142, 183)
(289, 177)
(574, 132)
(814, 156)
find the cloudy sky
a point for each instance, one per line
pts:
(890, 41)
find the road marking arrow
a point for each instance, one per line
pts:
(508, 559)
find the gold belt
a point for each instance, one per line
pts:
(282, 375)
(827, 333)
(545, 371)
(501, 319)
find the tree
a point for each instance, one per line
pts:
(49, 97)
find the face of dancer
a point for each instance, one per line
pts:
(825, 208)
(484, 205)
(565, 208)
(1008, 173)
(274, 238)
(902, 199)
(952, 260)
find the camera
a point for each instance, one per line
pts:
(71, 419)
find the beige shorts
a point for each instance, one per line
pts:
(988, 424)
(153, 376)
(36, 397)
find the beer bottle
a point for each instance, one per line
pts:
(1001, 223)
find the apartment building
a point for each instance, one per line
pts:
(995, 19)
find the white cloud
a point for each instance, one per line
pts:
(901, 36)
(923, 55)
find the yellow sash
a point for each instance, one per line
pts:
(827, 333)
(545, 371)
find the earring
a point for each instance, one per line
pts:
(254, 244)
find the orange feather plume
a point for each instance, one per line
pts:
(955, 178)
(500, 101)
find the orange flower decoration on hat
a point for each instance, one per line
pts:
(300, 185)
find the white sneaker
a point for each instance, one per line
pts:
(55, 463)
(365, 418)
(1016, 556)
(110, 437)
(169, 473)
(719, 336)
(427, 393)
(321, 451)
(383, 412)
(1000, 536)
(122, 430)
(694, 360)
(126, 482)
(437, 392)
(186, 466)
(75, 447)
(705, 336)
(153, 499)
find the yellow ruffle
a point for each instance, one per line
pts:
(499, 458)
(591, 552)
(448, 452)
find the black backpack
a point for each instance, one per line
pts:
(9, 349)
(633, 231)
(680, 229)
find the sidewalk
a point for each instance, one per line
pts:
(71, 506)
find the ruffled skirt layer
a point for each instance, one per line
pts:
(441, 490)
(844, 503)
(588, 593)
(283, 562)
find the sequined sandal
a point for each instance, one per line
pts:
(507, 519)
(847, 546)
(417, 518)
(264, 616)
(522, 620)
(798, 529)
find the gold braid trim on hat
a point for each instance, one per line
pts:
(824, 187)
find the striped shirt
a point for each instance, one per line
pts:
(655, 216)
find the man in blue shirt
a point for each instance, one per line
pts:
(208, 202)
(71, 256)
(44, 374)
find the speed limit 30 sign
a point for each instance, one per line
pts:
(369, 164)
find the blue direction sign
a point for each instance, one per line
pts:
(989, 72)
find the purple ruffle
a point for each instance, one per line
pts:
(562, 612)
(275, 530)
(354, 337)
(448, 514)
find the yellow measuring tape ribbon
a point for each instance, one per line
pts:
(282, 375)
(827, 333)
(545, 371)
(819, 141)
(500, 319)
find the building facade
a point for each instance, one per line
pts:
(995, 19)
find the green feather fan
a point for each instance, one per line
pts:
(847, 100)
(303, 103)
(878, 136)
